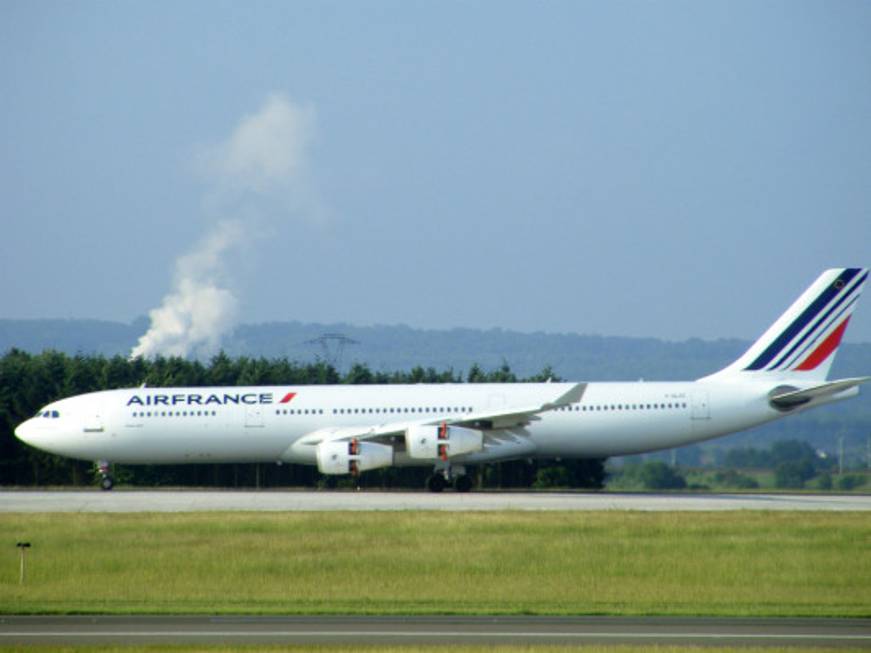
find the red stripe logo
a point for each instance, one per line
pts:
(287, 398)
(825, 349)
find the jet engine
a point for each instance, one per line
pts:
(352, 456)
(442, 441)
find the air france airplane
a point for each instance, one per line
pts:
(351, 429)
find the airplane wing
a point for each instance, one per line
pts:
(794, 398)
(484, 420)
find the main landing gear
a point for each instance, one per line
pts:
(437, 482)
(443, 475)
(463, 483)
(106, 480)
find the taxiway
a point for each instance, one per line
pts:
(527, 630)
(278, 501)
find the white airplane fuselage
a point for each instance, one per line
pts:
(238, 424)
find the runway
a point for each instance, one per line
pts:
(277, 501)
(435, 630)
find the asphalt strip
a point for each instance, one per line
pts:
(855, 633)
(26, 501)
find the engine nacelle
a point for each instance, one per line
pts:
(442, 441)
(352, 456)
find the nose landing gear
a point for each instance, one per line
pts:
(106, 480)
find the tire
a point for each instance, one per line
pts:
(106, 483)
(463, 483)
(436, 483)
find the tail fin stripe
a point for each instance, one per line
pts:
(814, 332)
(833, 290)
(821, 333)
(818, 335)
(828, 345)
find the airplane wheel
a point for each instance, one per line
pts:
(436, 483)
(463, 483)
(106, 483)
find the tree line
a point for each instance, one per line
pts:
(30, 381)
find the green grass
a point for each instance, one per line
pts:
(414, 649)
(730, 563)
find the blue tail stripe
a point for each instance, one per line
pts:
(822, 320)
(836, 320)
(802, 320)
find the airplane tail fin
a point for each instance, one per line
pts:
(802, 343)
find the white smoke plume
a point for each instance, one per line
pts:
(259, 171)
(267, 152)
(199, 310)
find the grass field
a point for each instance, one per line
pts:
(414, 649)
(729, 563)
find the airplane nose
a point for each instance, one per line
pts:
(26, 431)
(31, 432)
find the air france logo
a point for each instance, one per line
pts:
(200, 399)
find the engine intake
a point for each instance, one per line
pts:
(431, 441)
(352, 456)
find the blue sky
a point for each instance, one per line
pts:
(666, 169)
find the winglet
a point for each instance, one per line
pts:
(571, 396)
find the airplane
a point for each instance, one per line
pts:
(352, 429)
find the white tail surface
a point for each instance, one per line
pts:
(802, 343)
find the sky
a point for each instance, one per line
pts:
(662, 169)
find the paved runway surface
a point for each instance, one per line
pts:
(435, 630)
(196, 501)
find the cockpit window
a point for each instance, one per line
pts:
(48, 414)
(55, 414)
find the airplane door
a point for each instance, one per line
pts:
(93, 420)
(701, 408)
(253, 416)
